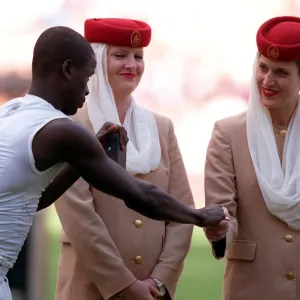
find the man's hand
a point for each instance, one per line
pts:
(141, 290)
(109, 128)
(218, 232)
(212, 215)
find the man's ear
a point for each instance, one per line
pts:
(67, 68)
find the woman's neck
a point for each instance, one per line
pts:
(122, 104)
(283, 115)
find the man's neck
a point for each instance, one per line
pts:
(39, 89)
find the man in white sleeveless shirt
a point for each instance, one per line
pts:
(37, 137)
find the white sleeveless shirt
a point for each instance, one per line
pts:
(21, 184)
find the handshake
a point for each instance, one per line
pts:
(215, 230)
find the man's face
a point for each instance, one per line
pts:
(76, 89)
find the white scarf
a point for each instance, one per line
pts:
(280, 185)
(143, 148)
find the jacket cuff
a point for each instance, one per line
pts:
(110, 291)
(169, 277)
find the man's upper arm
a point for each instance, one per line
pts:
(75, 142)
(65, 141)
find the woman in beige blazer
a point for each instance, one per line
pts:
(253, 168)
(105, 254)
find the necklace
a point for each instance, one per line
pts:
(280, 129)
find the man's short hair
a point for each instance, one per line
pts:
(56, 45)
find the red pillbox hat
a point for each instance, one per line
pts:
(119, 32)
(279, 38)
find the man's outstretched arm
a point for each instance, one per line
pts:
(64, 141)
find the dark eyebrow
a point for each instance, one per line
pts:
(262, 64)
(282, 70)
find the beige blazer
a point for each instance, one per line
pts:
(105, 246)
(263, 260)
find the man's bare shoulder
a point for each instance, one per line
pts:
(63, 130)
(63, 140)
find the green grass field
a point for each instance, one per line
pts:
(201, 279)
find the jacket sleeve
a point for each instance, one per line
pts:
(177, 236)
(220, 184)
(91, 241)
